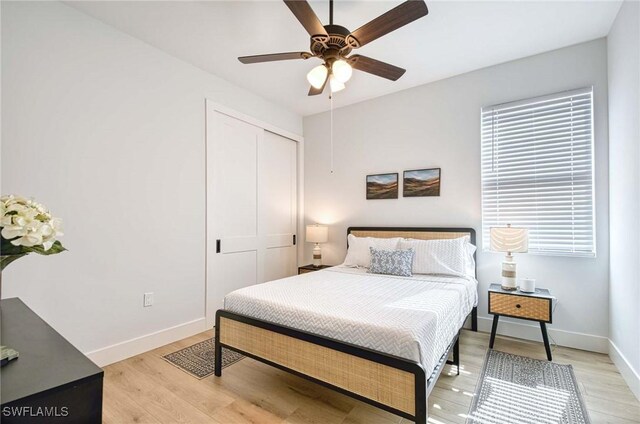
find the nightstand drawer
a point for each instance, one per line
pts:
(533, 308)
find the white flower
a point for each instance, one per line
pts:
(27, 223)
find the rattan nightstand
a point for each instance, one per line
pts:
(516, 304)
(311, 268)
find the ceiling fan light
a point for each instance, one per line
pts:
(317, 76)
(335, 84)
(341, 70)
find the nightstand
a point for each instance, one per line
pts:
(516, 304)
(310, 268)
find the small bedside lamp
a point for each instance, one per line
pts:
(510, 240)
(317, 234)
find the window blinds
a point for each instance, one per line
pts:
(537, 171)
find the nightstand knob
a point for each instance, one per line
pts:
(518, 306)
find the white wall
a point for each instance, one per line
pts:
(438, 125)
(623, 45)
(109, 133)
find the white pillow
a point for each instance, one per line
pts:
(470, 268)
(447, 256)
(359, 252)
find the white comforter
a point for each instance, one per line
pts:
(410, 317)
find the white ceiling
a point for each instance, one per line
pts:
(456, 37)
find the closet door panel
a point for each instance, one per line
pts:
(251, 207)
(280, 263)
(232, 206)
(238, 244)
(235, 177)
(236, 271)
(278, 206)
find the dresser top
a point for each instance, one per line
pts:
(497, 288)
(47, 360)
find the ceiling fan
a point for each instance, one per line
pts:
(333, 44)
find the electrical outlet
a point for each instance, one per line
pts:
(148, 299)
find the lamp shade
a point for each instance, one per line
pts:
(509, 239)
(317, 76)
(317, 233)
(335, 85)
(341, 70)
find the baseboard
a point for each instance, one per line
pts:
(630, 375)
(561, 337)
(123, 350)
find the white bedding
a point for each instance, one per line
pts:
(411, 317)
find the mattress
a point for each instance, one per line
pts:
(411, 317)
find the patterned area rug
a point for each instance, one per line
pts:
(518, 390)
(198, 359)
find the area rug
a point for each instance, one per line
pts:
(198, 359)
(517, 390)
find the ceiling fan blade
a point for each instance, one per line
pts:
(376, 67)
(274, 56)
(397, 17)
(315, 91)
(306, 16)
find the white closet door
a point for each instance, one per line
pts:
(277, 205)
(251, 207)
(232, 206)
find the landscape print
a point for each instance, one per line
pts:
(421, 182)
(382, 186)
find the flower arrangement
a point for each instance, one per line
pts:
(27, 227)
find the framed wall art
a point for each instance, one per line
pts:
(382, 186)
(421, 183)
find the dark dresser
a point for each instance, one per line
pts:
(51, 381)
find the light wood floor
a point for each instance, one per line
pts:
(147, 389)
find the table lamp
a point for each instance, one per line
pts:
(510, 240)
(317, 234)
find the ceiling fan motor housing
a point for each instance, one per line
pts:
(333, 46)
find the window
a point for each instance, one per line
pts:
(537, 171)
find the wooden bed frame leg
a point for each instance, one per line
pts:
(218, 349)
(474, 319)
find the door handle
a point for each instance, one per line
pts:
(294, 239)
(218, 246)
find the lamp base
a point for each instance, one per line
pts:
(509, 273)
(317, 256)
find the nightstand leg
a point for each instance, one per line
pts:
(494, 328)
(545, 337)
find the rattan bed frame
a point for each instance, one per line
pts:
(394, 384)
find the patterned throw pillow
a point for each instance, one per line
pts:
(391, 262)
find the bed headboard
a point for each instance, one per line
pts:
(422, 233)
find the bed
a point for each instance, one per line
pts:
(381, 339)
